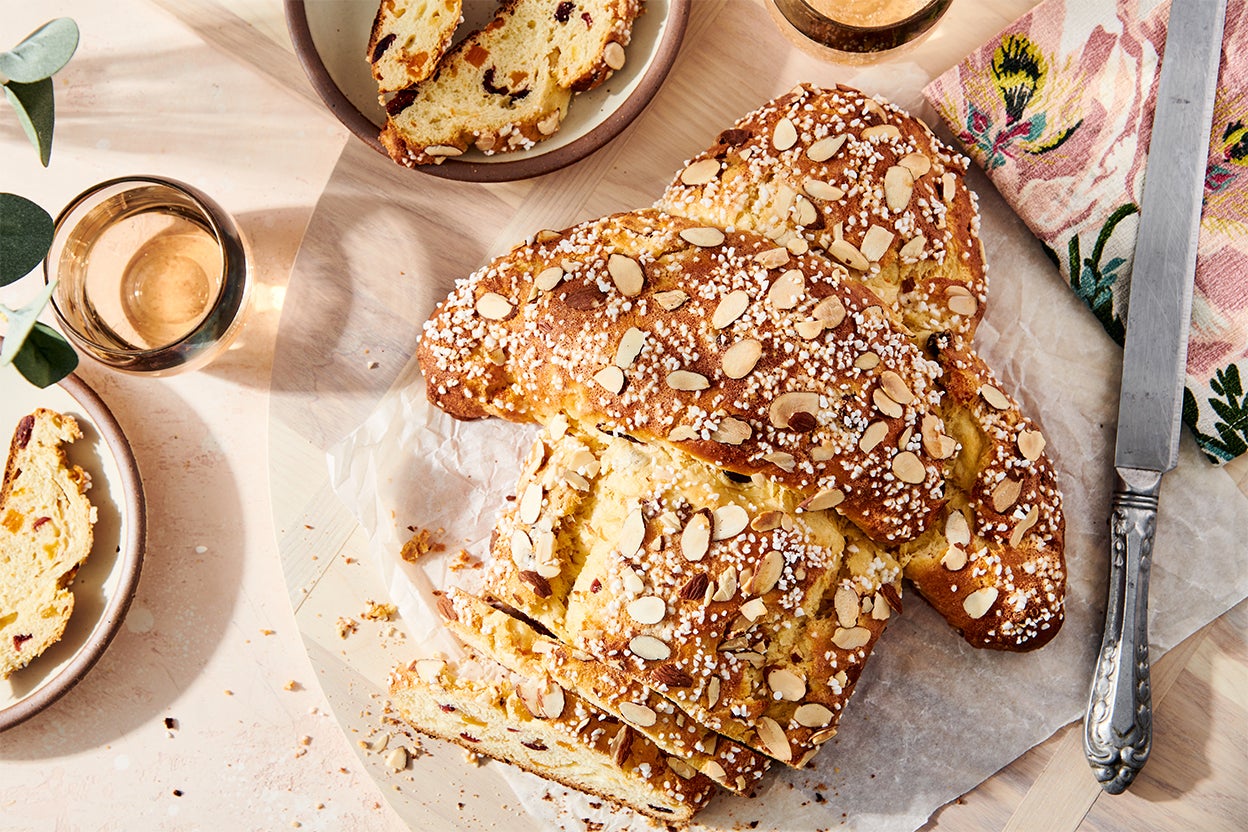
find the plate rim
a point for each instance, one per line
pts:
(133, 546)
(525, 168)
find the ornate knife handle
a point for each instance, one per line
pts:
(1118, 728)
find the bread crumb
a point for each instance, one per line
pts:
(292, 685)
(229, 692)
(463, 560)
(346, 626)
(268, 632)
(397, 759)
(420, 544)
(379, 612)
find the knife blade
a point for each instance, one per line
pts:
(1118, 724)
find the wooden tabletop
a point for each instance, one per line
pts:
(259, 762)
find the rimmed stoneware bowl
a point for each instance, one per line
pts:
(331, 39)
(106, 582)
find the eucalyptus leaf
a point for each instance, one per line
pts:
(25, 236)
(46, 357)
(43, 53)
(21, 322)
(34, 106)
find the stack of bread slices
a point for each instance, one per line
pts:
(503, 87)
(761, 414)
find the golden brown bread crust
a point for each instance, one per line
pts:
(769, 611)
(760, 183)
(535, 725)
(829, 402)
(519, 647)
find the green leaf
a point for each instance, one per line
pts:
(43, 53)
(46, 357)
(25, 236)
(35, 110)
(21, 322)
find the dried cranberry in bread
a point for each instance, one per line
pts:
(407, 40)
(507, 86)
(682, 334)
(751, 615)
(519, 647)
(46, 531)
(858, 180)
(540, 727)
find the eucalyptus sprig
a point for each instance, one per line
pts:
(26, 72)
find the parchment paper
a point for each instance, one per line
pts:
(932, 717)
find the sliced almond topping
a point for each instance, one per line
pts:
(703, 236)
(979, 602)
(682, 769)
(875, 243)
(994, 397)
(531, 503)
(494, 307)
(712, 692)
(913, 249)
(1031, 444)
(804, 212)
(787, 685)
(1024, 526)
(730, 308)
(851, 638)
(701, 172)
(632, 534)
(548, 279)
(820, 737)
(898, 186)
(797, 245)
(809, 330)
(754, 608)
(613, 55)
(881, 131)
(687, 380)
(845, 602)
(937, 444)
(767, 521)
(648, 609)
(845, 252)
(627, 275)
(824, 500)
(965, 305)
(630, 345)
(830, 311)
(633, 584)
(649, 647)
(822, 190)
(610, 379)
(773, 739)
(895, 387)
(575, 480)
(1006, 494)
(731, 431)
(867, 361)
(440, 151)
(826, 450)
(957, 531)
(782, 460)
(825, 149)
(785, 135)
(885, 404)
(787, 290)
(714, 770)
(954, 559)
(786, 407)
(881, 608)
(949, 184)
(640, 715)
(521, 548)
(730, 521)
(428, 670)
(770, 568)
(909, 468)
(695, 539)
(551, 701)
(872, 436)
(682, 433)
(772, 258)
(725, 585)
(917, 163)
(670, 300)
(812, 715)
(530, 691)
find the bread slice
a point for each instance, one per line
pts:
(859, 180)
(521, 648)
(408, 39)
(46, 532)
(507, 86)
(540, 727)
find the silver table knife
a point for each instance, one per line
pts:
(1118, 727)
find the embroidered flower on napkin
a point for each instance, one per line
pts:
(1058, 109)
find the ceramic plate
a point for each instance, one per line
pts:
(331, 38)
(107, 580)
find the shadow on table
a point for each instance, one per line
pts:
(185, 598)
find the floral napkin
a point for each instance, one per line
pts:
(1058, 109)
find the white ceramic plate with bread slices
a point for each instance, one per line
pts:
(331, 39)
(106, 580)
